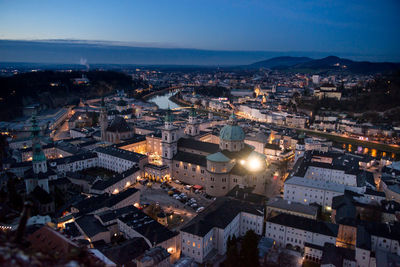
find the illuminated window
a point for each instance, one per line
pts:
(194, 244)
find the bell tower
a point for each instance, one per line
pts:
(39, 160)
(169, 135)
(192, 128)
(103, 120)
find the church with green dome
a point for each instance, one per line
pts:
(217, 167)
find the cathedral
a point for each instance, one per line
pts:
(181, 155)
(215, 167)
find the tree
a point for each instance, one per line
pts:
(3, 147)
(15, 199)
(249, 251)
(232, 255)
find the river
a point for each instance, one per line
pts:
(162, 101)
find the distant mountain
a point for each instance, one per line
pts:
(278, 62)
(327, 64)
(90, 53)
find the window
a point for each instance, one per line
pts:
(202, 171)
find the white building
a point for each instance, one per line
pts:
(210, 231)
(75, 163)
(307, 191)
(294, 231)
(119, 160)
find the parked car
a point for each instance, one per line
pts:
(200, 209)
(188, 187)
(177, 182)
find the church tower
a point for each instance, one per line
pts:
(38, 157)
(39, 177)
(192, 128)
(169, 135)
(103, 120)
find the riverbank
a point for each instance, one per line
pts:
(352, 141)
(182, 102)
(159, 92)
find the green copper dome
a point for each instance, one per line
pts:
(192, 112)
(168, 117)
(231, 131)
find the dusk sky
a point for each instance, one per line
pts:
(368, 27)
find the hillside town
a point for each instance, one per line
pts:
(201, 168)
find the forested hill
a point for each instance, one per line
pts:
(55, 89)
(326, 64)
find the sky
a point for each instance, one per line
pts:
(366, 27)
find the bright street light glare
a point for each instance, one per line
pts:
(254, 164)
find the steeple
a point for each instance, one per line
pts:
(192, 128)
(192, 112)
(103, 120)
(38, 156)
(169, 138)
(232, 119)
(168, 119)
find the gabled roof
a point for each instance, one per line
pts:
(119, 124)
(220, 214)
(104, 184)
(306, 224)
(90, 225)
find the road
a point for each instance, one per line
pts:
(62, 132)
